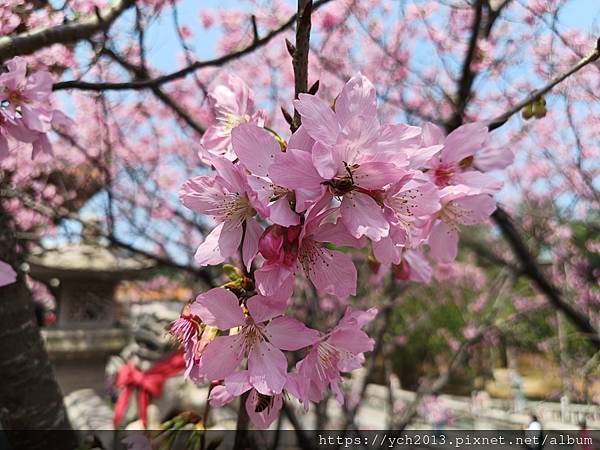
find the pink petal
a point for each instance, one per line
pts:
(220, 396)
(286, 333)
(293, 169)
(267, 368)
(266, 417)
(326, 159)
(484, 182)
(492, 158)
(337, 234)
(7, 274)
(202, 194)
(398, 137)
(219, 308)
(238, 383)
(255, 147)
(264, 308)
(282, 214)
(386, 251)
(475, 208)
(222, 356)
(221, 243)
(420, 269)
(352, 340)
(420, 157)
(317, 118)
(332, 272)
(376, 175)
(270, 278)
(358, 98)
(362, 216)
(250, 244)
(443, 242)
(464, 142)
(301, 140)
(357, 318)
(432, 135)
(415, 198)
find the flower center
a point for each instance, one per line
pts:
(443, 175)
(252, 335)
(344, 182)
(15, 97)
(237, 206)
(228, 122)
(451, 212)
(328, 357)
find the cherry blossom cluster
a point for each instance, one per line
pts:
(294, 208)
(25, 112)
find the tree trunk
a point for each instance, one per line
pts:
(30, 398)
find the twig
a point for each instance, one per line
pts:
(503, 118)
(31, 41)
(300, 55)
(182, 73)
(531, 269)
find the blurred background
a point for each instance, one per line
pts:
(484, 342)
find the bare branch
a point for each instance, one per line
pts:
(182, 73)
(531, 269)
(468, 76)
(300, 55)
(69, 33)
(141, 73)
(503, 118)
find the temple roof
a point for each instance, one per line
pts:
(88, 261)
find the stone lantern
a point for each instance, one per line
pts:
(89, 325)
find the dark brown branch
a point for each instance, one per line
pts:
(300, 56)
(303, 440)
(182, 73)
(527, 261)
(503, 118)
(142, 74)
(69, 33)
(531, 269)
(467, 75)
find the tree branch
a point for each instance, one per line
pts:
(531, 269)
(527, 261)
(503, 118)
(142, 74)
(31, 41)
(466, 80)
(182, 73)
(300, 56)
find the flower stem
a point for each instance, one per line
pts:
(242, 438)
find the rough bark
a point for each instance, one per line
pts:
(30, 398)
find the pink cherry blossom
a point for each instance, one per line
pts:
(454, 163)
(7, 274)
(231, 202)
(350, 157)
(233, 104)
(261, 337)
(27, 96)
(256, 148)
(341, 350)
(286, 249)
(461, 205)
(262, 409)
(407, 204)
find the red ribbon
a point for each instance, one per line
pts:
(149, 384)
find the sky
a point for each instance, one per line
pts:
(582, 14)
(162, 39)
